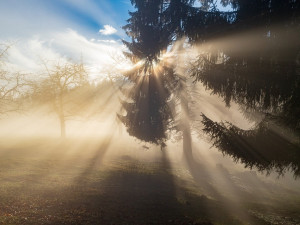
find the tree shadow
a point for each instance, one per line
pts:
(135, 192)
(124, 191)
(95, 160)
(217, 184)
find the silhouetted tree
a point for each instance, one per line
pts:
(254, 61)
(147, 111)
(156, 88)
(150, 113)
(265, 147)
(258, 65)
(249, 60)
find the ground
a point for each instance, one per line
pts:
(49, 182)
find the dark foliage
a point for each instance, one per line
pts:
(263, 147)
(148, 103)
(253, 60)
(147, 111)
(257, 66)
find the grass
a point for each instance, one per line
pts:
(48, 182)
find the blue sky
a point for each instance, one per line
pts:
(40, 30)
(63, 29)
(32, 17)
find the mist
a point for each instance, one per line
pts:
(188, 115)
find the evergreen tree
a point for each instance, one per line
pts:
(146, 104)
(257, 66)
(255, 62)
(265, 147)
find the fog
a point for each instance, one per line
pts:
(216, 145)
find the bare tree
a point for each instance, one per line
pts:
(54, 89)
(11, 84)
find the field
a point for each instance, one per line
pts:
(49, 181)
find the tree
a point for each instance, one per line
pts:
(147, 111)
(11, 84)
(257, 66)
(263, 147)
(151, 112)
(55, 89)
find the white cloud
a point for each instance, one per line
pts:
(108, 30)
(30, 17)
(27, 54)
(107, 41)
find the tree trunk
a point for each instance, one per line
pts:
(62, 117)
(185, 126)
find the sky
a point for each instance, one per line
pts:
(70, 30)
(45, 30)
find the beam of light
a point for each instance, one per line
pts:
(93, 140)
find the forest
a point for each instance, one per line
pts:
(195, 121)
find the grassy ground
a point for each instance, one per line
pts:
(49, 182)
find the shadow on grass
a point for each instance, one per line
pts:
(218, 184)
(95, 160)
(124, 191)
(134, 193)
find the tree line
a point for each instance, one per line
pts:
(62, 88)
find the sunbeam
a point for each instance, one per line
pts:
(186, 112)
